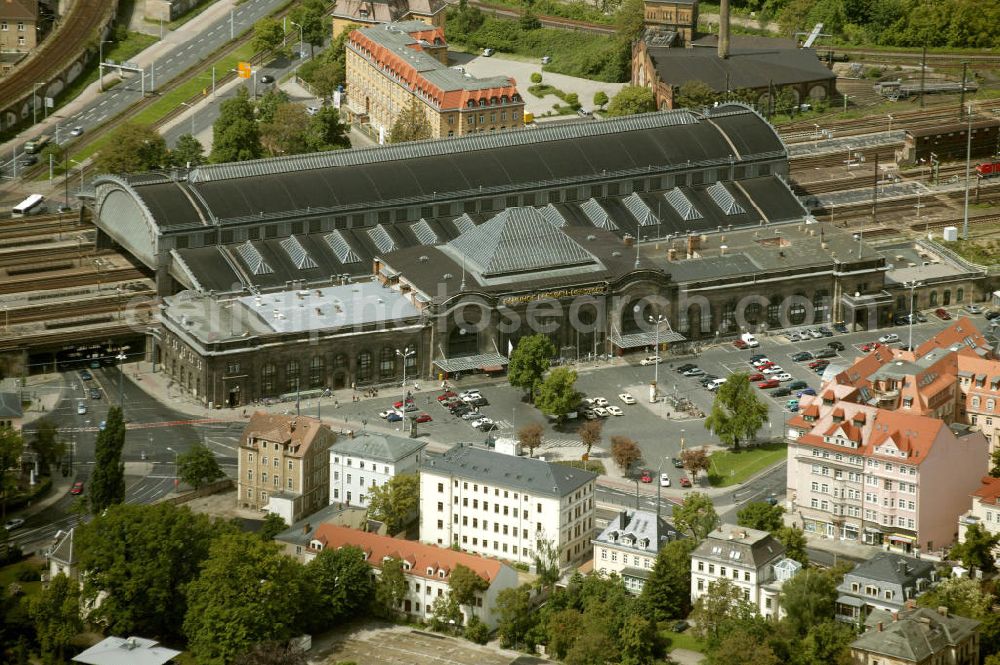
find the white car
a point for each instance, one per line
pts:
(651, 360)
(773, 369)
(469, 393)
(589, 414)
(81, 409)
(784, 376)
(76, 131)
(312, 110)
(614, 410)
(13, 523)
(488, 52)
(587, 401)
(600, 401)
(664, 480)
(600, 411)
(627, 398)
(974, 309)
(815, 334)
(387, 412)
(760, 363)
(889, 339)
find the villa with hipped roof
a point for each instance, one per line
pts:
(426, 568)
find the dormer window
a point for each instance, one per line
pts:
(406, 565)
(441, 574)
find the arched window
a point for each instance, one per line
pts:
(797, 313)
(387, 363)
(947, 298)
(932, 299)
(316, 366)
(990, 403)
(292, 375)
(960, 295)
(975, 402)
(752, 313)
(364, 372)
(267, 379)
(340, 362)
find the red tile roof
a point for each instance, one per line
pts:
(420, 555)
(989, 492)
(21, 10)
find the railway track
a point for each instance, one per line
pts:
(77, 32)
(40, 253)
(65, 310)
(12, 231)
(41, 282)
(980, 220)
(59, 338)
(934, 116)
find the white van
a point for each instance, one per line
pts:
(715, 384)
(750, 340)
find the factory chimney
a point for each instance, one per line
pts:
(724, 29)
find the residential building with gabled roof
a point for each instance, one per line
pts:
(506, 506)
(887, 581)
(367, 460)
(917, 636)
(629, 545)
(858, 472)
(985, 509)
(19, 30)
(746, 557)
(61, 555)
(426, 568)
(371, 12)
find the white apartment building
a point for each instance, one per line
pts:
(629, 544)
(367, 460)
(745, 557)
(505, 506)
(985, 510)
(426, 568)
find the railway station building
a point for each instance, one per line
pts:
(303, 273)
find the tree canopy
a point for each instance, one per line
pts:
(558, 395)
(132, 149)
(187, 151)
(667, 593)
(107, 479)
(809, 598)
(235, 134)
(978, 549)
(341, 583)
(590, 433)
(761, 515)
(794, 540)
(737, 411)
(695, 94)
(696, 516)
(530, 437)
(198, 466)
(529, 361)
(396, 502)
(47, 444)
(625, 452)
(630, 100)
(287, 132)
(411, 124)
(56, 615)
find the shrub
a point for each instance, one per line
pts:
(476, 631)
(536, 78)
(29, 574)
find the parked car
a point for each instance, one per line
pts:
(973, 309)
(546, 59)
(77, 488)
(770, 383)
(870, 346)
(627, 398)
(740, 344)
(802, 356)
(488, 52)
(600, 401)
(102, 425)
(825, 353)
(815, 334)
(95, 393)
(664, 480)
(86, 376)
(758, 356)
(385, 414)
(394, 417)
(694, 371)
(13, 523)
(819, 365)
(651, 360)
(797, 385)
(446, 394)
(826, 332)
(773, 369)
(807, 391)
(942, 314)
(76, 131)
(614, 410)
(685, 482)
(783, 376)
(761, 362)
(590, 414)
(781, 392)
(793, 337)
(601, 412)
(992, 314)
(792, 402)
(707, 379)
(585, 113)
(836, 346)
(793, 408)
(312, 110)
(646, 476)
(677, 462)
(841, 327)
(423, 418)
(889, 338)
(756, 376)
(685, 367)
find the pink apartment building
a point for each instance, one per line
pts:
(882, 477)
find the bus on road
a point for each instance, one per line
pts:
(32, 205)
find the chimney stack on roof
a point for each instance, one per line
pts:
(724, 29)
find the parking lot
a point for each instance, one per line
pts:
(400, 645)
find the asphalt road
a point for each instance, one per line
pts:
(151, 429)
(197, 49)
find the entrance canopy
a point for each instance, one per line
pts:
(483, 361)
(642, 339)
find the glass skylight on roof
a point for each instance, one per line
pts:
(642, 213)
(338, 243)
(554, 217)
(597, 215)
(678, 200)
(464, 223)
(380, 236)
(253, 260)
(726, 202)
(297, 253)
(425, 234)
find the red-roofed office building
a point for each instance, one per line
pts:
(427, 569)
(857, 472)
(391, 65)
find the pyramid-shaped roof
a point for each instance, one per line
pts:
(518, 240)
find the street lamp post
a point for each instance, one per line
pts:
(301, 44)
(912, 286)
(121, 357)
(406, 353)
(657, 321)
(100, 62)
(968, 161)
(83, 168)
(890, 121)
(191, 110)
(176, 469)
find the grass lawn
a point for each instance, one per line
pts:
(590, 465)
(734, 467)
(685, 640)
(8, 575)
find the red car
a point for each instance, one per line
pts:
(870, 346)
(942, 314)
(77, 488)
(446, 395)
(647, 476)
(739, 344)
(424, 418)
(758, 377)
(816, 364)
(685, 481)
(399, 405)
(770, 383)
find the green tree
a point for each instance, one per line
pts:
(590, 433)
(445, 614)
(667, 593)
(272, 653)
(529, 361)
(785, 101)
(272, 526)
(248, 591)
(288, 133)
(198, 466)
(695, 460)
(696, 516)
(235, 135)
(341, 581)
(720, 610)
(808, 599)
(395, 503)
(761, 515)
(267, 105)
(132, 149)
(695, 94)
(743, 647)
(794, 540)
(46, 444)
(530, 437)
(327, 132)
(572, 100)
(637, 641)
(514, 615)
(995, 463)
(600, 99)
(963, 596)
(826, 643)
(529, 21)
(536, 77)
(324, 76)
(737, 411)
(546, 563)
(631, 20)
(595, 644)
(477, 631)
(390, 590)
(464, 21)
(143, 557)
(309, 15)
(632, 99)
(107, 480)
(564, 628)
(977, 549)
(465, 585)
(56, 615)
(557, 395)
(268, 36)
(411, 124)
(187, 151)
(625, 452)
